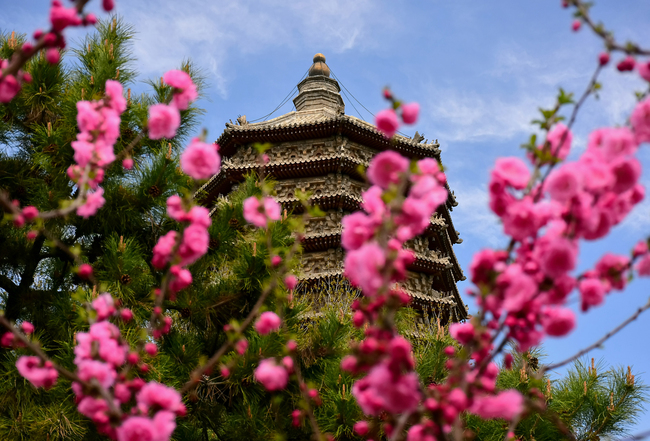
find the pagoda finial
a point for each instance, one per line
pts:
(319, 67)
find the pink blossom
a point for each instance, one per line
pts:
(194, 245)
(9, 88)
(94, 408)
(113, 352)
(93, 369)
(643, 266)
(27, 327)
(383, 390)
(126, 314)
(83, 151)
(626, 174)
(386, 168)
(122, 393)
(482, 266)
(127, 163)
(361, 428)
(162, 251)
(30, 213)
(414, 218)
(103, 329)
(387, 122)
(181, 278)
(627, 64)
(559, 132)
(165, 423)
(427, 189)
(520, 219)
(175, 208)
(616, 142)
(186, 89)
(592, 292)
(575, 26)
(565, 182)
(290, 282)
(94, 201)
(373, 203)
(640, 248)
(52, 55)
(358, 228)
(428, 166)
(85, 271)
(61, 17)
(272, 376)
(363, 267)
(104, 306)
(267, 322)
(156, 396)
(108, 6)
(114, 93)
(410, 113)
(38, 373)
(287, 362)
(201, 160)
(163, 121)
(151, 349)
(259, 212)
(419, 432)
(613, 268)
(462, 332)
(241, 346)
(136, 428)
(507, 405)
(640, 120)
(8, 339)
(519, 287)
(88, 118)
(597, 173)
(199, 216)
(558, 322)
(603, 58)
(558, 256)
(401, 356)
(644, 70)
(276, 260)
(513, 171)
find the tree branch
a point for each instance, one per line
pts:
(601, 341)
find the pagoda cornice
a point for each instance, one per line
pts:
(296, 126)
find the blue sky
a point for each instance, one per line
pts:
(479, 69)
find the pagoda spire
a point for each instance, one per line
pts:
(318, 91)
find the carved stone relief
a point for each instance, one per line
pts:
(321, 226)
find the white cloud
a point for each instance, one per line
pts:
(212, 34)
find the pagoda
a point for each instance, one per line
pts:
(318, 149)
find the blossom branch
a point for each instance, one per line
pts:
(600, 342)
(588, 91)
(21, 56)
(608, 38)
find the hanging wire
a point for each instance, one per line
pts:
(353, 106)
(360, 103)
(355, 98)
(284, 101)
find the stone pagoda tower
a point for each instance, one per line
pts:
(318, 148)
